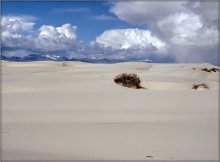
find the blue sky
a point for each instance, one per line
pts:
(172, 31)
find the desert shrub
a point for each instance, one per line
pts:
(202, 85)
(214, 69)
(210, 70)
(65, 64)
(206, 70)
(128, 80)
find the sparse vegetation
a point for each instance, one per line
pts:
(202, 85)
(128, 80)
(210, 70)
(65, 64)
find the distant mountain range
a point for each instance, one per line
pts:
(41, 57)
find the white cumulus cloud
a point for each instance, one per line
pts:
(16, 24)
(18, 32)
(52, 38)
(15, 29)
(187, 29)
(130, 38)
(51, 32)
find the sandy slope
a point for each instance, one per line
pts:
(75, 111)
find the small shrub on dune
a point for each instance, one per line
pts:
(128, 80)
(202, 85)
(65, 64)
(214, 69)
(210, 70)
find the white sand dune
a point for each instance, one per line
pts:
(74, 110)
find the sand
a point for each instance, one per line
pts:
(74, 111)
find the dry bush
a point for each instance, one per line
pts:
(202, 85)
(128, 80)
(210, 70)
(65, 64)
(214, 69)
